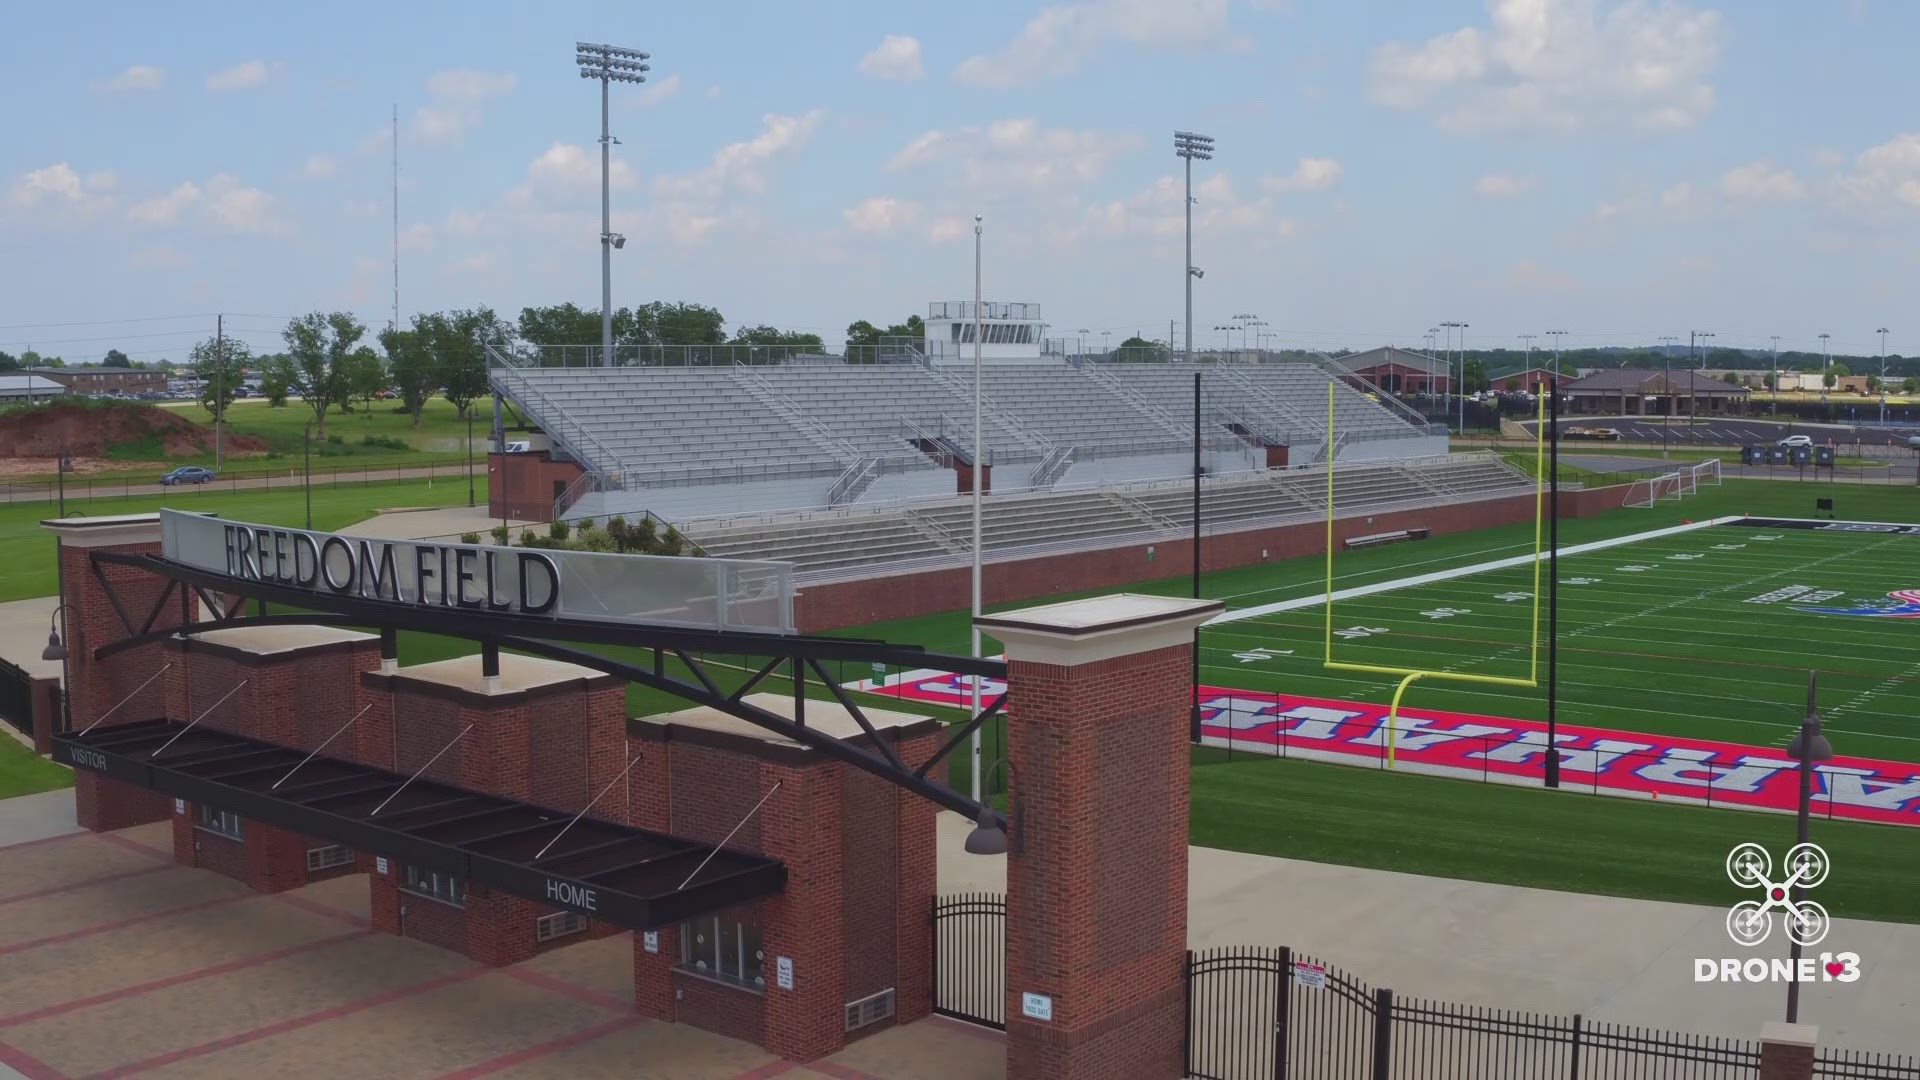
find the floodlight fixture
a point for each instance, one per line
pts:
(1189, 145)
(609, 64)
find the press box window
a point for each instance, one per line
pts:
(438, 886)
(326, 858)
(725, 948)
(220, 822)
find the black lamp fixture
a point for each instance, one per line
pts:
(56, 649)
(1808, 743)
(989, 835)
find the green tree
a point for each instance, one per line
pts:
(276, 378)
(319, 344)
(457, 340)
(366, 377)
(864, 338)
(776, 339)
(8, 361)
(1473, 375)
(1873, 384)
(1910, 385)
(221, 362)
(565, 324)
(1137, 349)
(115, 358)
(1768, 380)
(411, 365)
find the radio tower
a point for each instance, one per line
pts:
(396, 216)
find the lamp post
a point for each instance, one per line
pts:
(1776, 374)
(1460, 388)
(1807, 747)
(56, 649)
(470, 500)
(610, 65)
(306, 466)
(1187, 146)
(1825, 361)
(978, 451)
(989, 835)
(1883, 373)
(1694, 337)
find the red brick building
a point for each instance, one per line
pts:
(1401, 371)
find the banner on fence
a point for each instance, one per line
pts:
(1512, 751)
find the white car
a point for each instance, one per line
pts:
(1796, 440)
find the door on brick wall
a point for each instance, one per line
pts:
(969, 958)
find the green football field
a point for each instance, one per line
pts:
(1707, 633)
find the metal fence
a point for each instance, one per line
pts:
(969, 958)
(16, 697)
(1861, 1065)
(83, 490)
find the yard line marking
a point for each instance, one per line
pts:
(1447, 575)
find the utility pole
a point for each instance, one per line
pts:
(1883, 374)
(1188, 146)
(978, 451)
(1693, 398)
(396, 217)
(1526, 365)
(610, 65)
(1826, 361)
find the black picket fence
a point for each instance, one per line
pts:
(16, 697)
(1257, 1013)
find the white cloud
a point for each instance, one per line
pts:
(896, 57)
(738, 164)
(58, 190)
(55, 183)
(1529, 275)
(1064, 36)
(134, 79)
(567, 166)
(1159, 211)
(480, 262)
(1761, 181)
(463, 223)
(881, 214)
(1883, 174)
(455, 98)
(416, 238)
(1558, 66)
(946, 230)
(1016, 153)
(250, 75)
(1678, 197)
(224, 204)
(1501, 185)
(1311, 174)
(319, 165)
(166, 209)
(104, 180)
(658, 92)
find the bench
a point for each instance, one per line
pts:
(1394, 537)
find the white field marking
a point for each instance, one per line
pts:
(1446, 575)
(1883, 687)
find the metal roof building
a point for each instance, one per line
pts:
(28, 388)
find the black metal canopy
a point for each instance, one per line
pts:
(626, 876)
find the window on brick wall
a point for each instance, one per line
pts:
(724, 947)
(558, 924)
(221, 822)
(326, 858)
(435, 885)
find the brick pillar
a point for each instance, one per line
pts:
(95, 687)
(1097, 870)
(804, 923)
(1786, 1050)
(918, 878)
(654, 953)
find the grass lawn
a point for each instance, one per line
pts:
(1528, 836)
(22, 773)
(26, 550)
(440, 438)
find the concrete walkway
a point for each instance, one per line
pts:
(446, 523)
(1607, 958)
(23, 634)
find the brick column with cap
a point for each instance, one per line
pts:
(1786, 1050)
(1100, 695)
(100, 603)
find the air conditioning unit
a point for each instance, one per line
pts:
(870, 1009)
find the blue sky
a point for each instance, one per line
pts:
(1620, 171)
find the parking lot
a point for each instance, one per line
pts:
(118, 963)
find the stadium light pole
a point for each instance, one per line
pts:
(1553, 575)
(1187, 146)
(1694, 337)
(609, 64)
(978, 449)
(1883, 373)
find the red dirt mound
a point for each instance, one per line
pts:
(90, 430)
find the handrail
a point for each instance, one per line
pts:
(848, 487)
(1344, 373)
(1013, 424)
(1053, 466)
(610, 462)
(1139, 401)
(1267, 397)
(791, 411)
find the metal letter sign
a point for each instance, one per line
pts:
(783, 972)
(380, 865)
(650, 940)
(1037, 1007)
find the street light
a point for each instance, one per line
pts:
(1825, 360)
(1693, 397)
(1883, 373)
(1460, 388)
(610, 65)
(989, 835)
(1807, 747)
(979, 450)
(55, 650)
(1187, 146)
(1776, 374)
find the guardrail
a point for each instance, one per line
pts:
(1393, 403)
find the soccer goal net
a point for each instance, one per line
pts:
(1650, 491)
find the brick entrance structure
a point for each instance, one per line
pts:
(1100, 695)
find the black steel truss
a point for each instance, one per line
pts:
(540, 636)
(626, 876)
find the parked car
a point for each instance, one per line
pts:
(1796, 440)
(187, 474)
(1606, 434)
(1913, 441)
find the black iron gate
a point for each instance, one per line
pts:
(969, 958)
(16, 697)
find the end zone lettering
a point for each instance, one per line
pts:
(443, 575)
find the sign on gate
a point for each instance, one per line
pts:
(1036, 1006)
(1311, 976)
